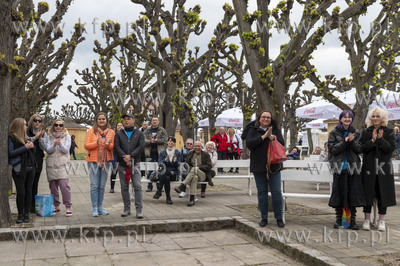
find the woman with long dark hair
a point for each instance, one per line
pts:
(344, 146)
(21, 156)
(258, 136)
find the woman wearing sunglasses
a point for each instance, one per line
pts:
(99, 143)
(39, 137)
(58, 165)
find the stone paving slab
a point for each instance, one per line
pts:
(210, 212)
(155, 249)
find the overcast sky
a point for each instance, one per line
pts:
(329, 59)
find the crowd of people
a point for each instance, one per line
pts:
(125, 147)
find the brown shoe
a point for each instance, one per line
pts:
(203, 194)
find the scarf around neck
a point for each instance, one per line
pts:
(102, 150)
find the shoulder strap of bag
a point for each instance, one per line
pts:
(269, 154)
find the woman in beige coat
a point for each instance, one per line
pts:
(58, 165)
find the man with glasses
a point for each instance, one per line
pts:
(185, 151)
(200, 171)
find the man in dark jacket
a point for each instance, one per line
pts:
(200, 171)
(128, 145)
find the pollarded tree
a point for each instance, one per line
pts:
(271, 76)
(212, 98)
(100, 90)
(37, 59)
(244, 94)
(26, 57)
(372, 59)
(170, 53)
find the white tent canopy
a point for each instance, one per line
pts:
(317, 123)
(322, 109)
(228, 118)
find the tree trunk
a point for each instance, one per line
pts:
(7, 50)
(310, 141)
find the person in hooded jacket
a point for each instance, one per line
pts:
(344, 146)
(258, 137)
(378, 143)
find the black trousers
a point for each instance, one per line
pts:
(114, 174)
(35, 183)
(221, 156)
(232, 155)
(164, 181)
(23, 185)
(154, 158)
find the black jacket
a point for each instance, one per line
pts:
(337, 146)
(205, 165)
(375, 154)
(259, 147)
(124, 146)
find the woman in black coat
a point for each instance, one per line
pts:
(258, 136)
(344, 146)
(378, 143)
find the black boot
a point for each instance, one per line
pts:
(169, 201)
(26, 218)
(338, 222)
(353, 224)
(20, 218)
(182, 187)
(191, 201)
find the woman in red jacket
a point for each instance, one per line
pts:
(99, 143)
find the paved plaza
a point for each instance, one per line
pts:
(308, 233)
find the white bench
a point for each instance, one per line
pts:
(152, 166)
(305, 171)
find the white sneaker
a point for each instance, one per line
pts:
(182, 194)
(366, 225)
(381, 226)
(195, 198)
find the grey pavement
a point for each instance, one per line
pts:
(223, 247)
(321, 242)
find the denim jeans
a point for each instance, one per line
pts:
(98, 180)
(274, 183)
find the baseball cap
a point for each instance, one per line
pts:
(130, 115)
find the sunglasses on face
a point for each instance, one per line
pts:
(58, 125)
(37, 120)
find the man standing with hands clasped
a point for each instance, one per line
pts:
(128, 145)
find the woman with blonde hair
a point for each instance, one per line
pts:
(21, 156)
(58, 165)
(233, 150)
(378, 143)
(99, 144)
(39, 137)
